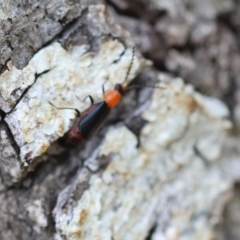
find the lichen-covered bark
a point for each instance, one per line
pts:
(27, 26)
(196, 40)
(63, 77)
(176, 184)
(164, 179)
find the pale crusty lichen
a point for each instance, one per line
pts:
(164, 178)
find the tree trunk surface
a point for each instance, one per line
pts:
(165, 165)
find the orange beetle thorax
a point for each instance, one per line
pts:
(112, 98)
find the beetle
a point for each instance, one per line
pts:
(93, 118)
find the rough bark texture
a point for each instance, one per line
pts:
(182, 181)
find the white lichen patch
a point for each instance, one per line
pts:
(34, 123)
(213, 106)
(166, 177)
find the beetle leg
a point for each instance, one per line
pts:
(90, 97)
(76, 110)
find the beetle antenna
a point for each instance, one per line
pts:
(76, 110)
(131, 63)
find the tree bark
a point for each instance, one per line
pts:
(177, 182)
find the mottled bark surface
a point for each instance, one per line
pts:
(182, 181)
